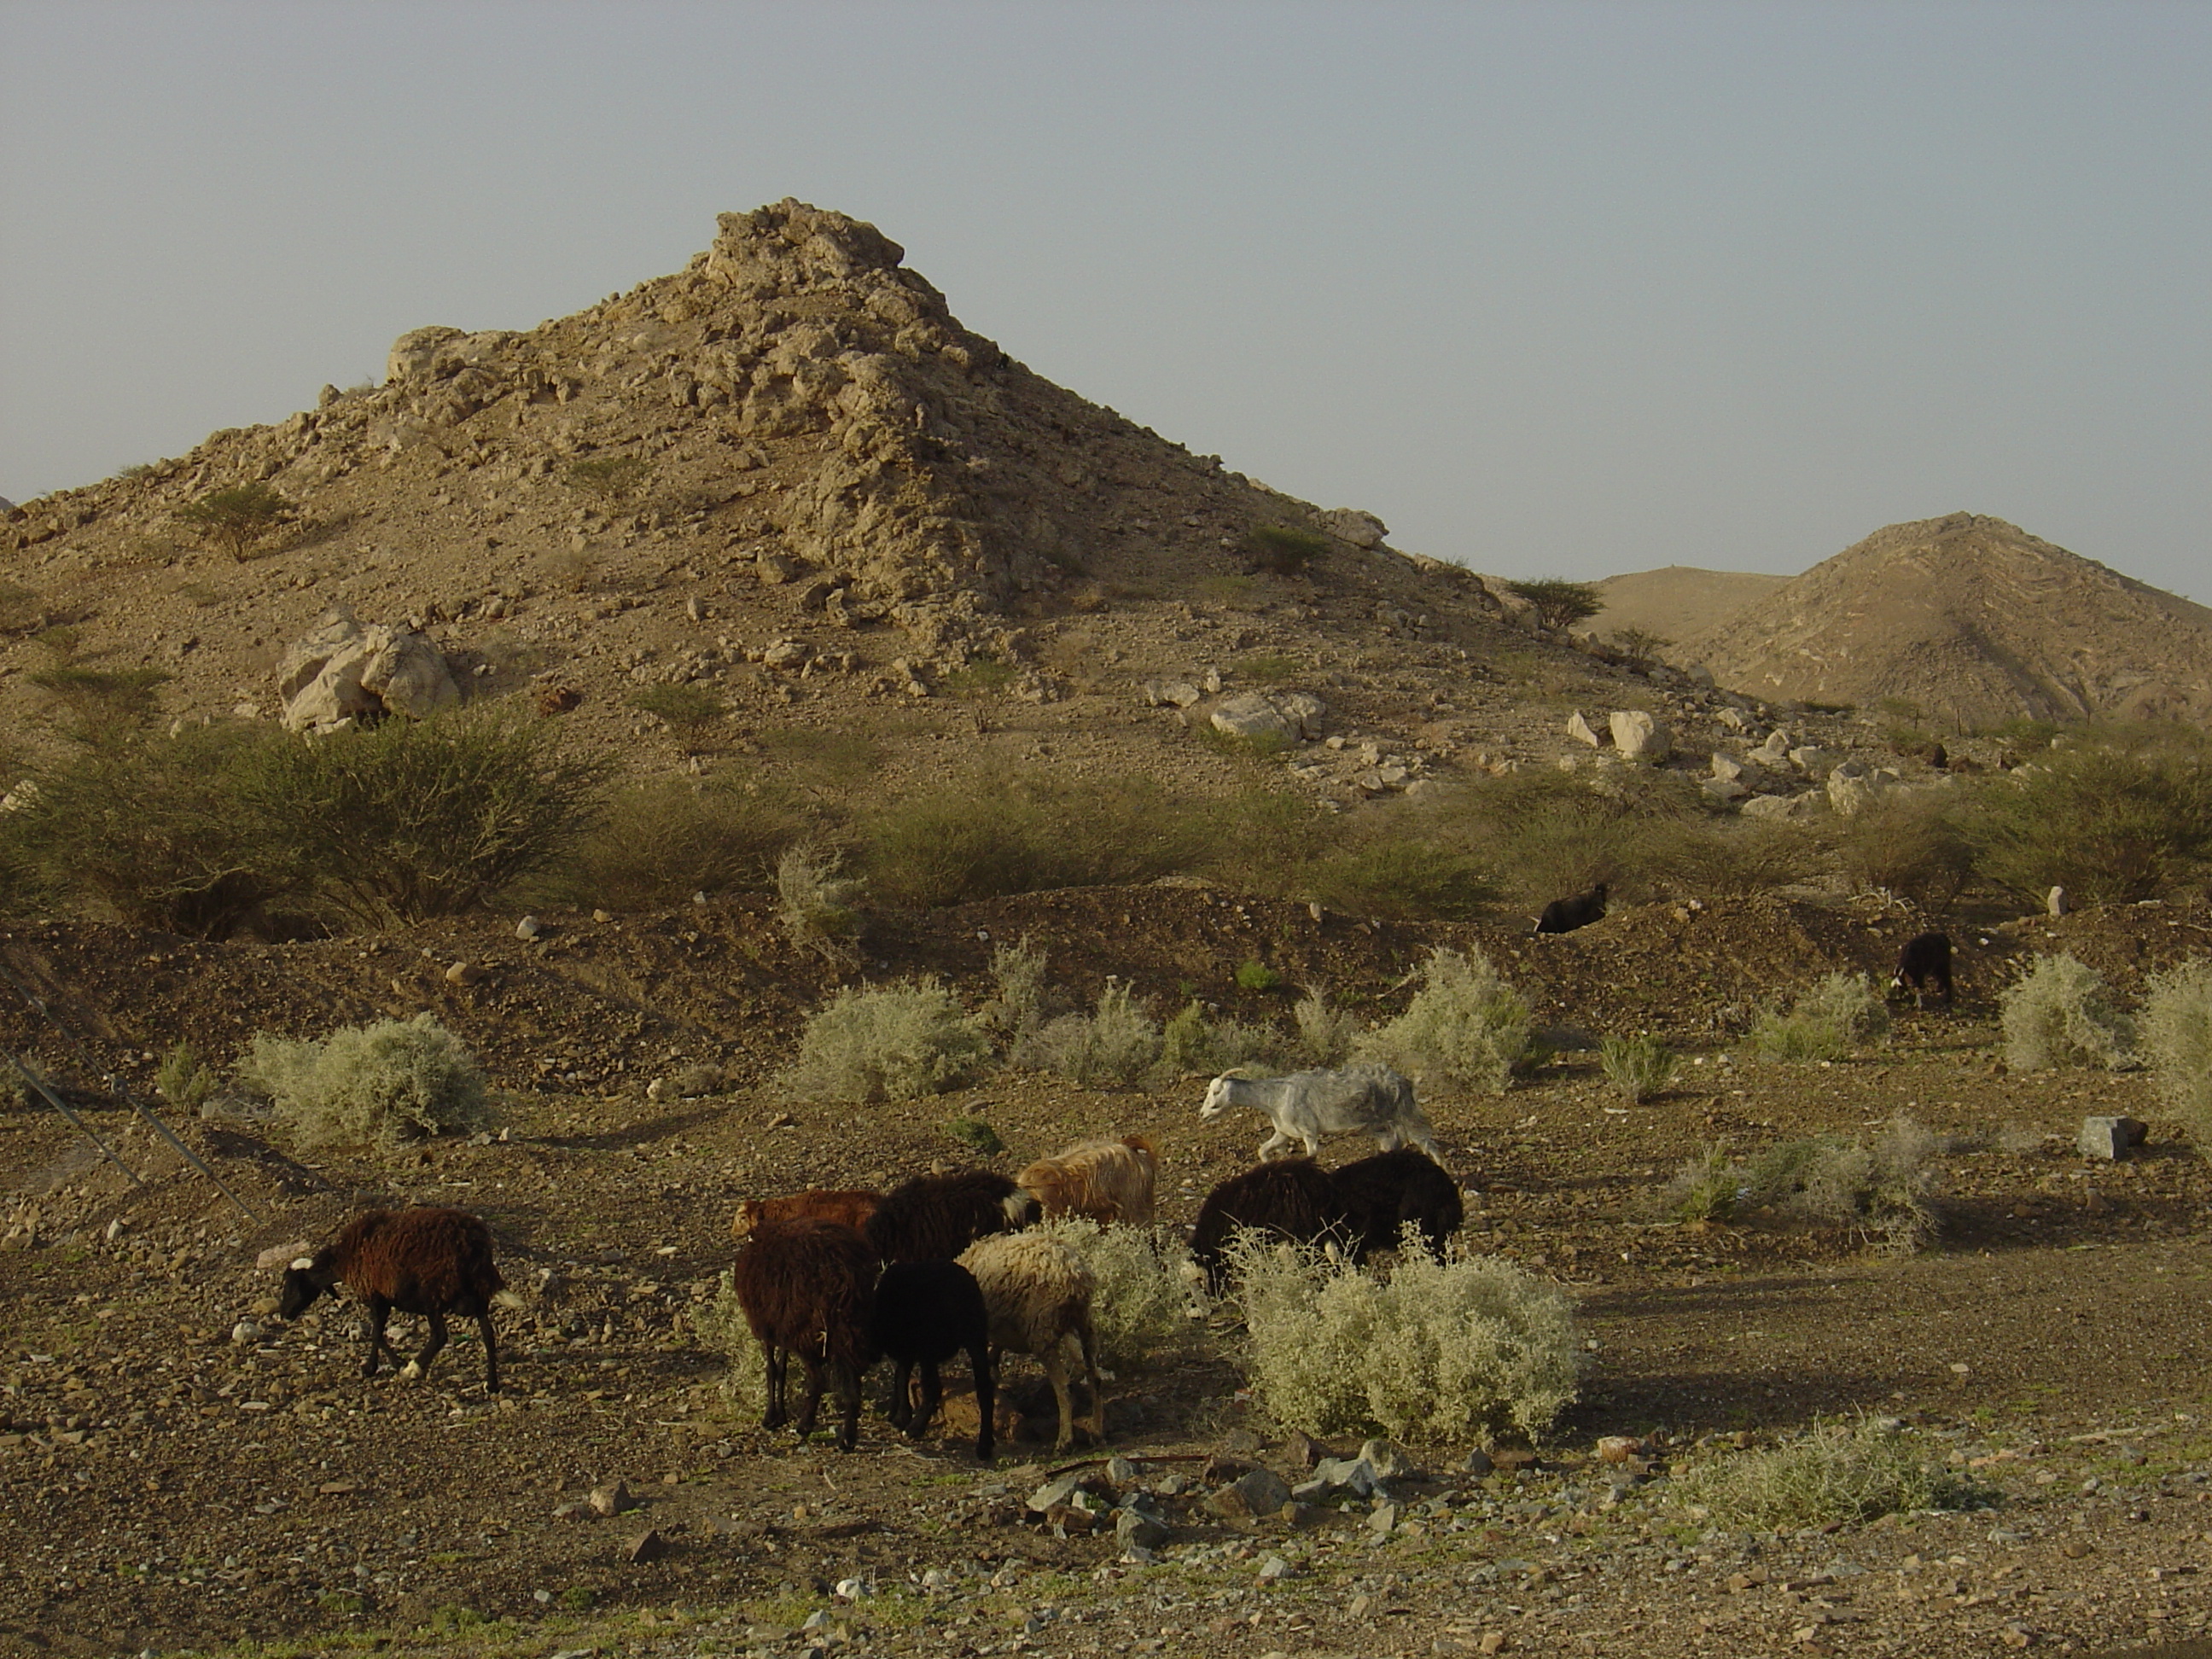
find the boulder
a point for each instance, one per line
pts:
(1362, 530)
(1579, 730)
(1261, 1492)
(1853, 787)
(1286, 714)
(1812, 759)
(1171, 694)
(1776, 808)
(2110, 1138)
(1727, 769)
(1640, 736)
(345, 671)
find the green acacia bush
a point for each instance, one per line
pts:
(1283, 548)
(1140, 1304)
(2060, 1013)
(1401, 879)
(1909, 843)
(1446, 1349)
(405, 820)
(1559, 603)
(237, 519)
(1466, 1027)
(384, 1084)
(1842, 1013)
(1882, 1189)
(102, 708)
(2112, 819)
(888, 1042)
(662, 840)
(1194, 1041)
(1836, 1474)
(689, 711)
(2175, 1023)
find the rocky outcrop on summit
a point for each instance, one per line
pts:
(1973, 622)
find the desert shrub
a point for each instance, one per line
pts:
(1327, 1035)
(608, 478)
(21, 610)
(687, 710)
(1835, 1475)
(2109, 820)
(1550, 833)
(237, 519)
(2060, 1013)
(1909, 844)
(1194, 1041)
(1881, 1189)
(406, 820)
(977, 1135)
(992, 835)
(888, 1042)
(1446, 1349)
(980, 677)
(184, 1080)
(816, 902)
(1559, 603)
(102, 708)
(1271, 668)
(2175, 1023)
(1018, 1010)
(1638, 648)
(1141, 1307)
(1638, 1067)
(1465, 1028)
(662, 840)
(1283, 548)
(1729, 858)
(1842, 1013)
(395, 1081)
(160, 833)
(1116, 1044)
(1401, 879)
(1254, 974)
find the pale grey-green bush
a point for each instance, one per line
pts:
(888, 1042)
(719, 1324)
(1843, 1012)
(1117, 1044)
(1017, 1011)
(1836, 1474)
(2175, 1027)
(1465, 1028)
(1638, 1067)
(1141, 1306)
(1193, 1042)
(816, 902)
(385, 1084)
(1327, 1035)
(1445, 1349)
(2060, 1013)
(1882, 1189)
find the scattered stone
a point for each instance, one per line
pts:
(1640, 736)
(1478, 1462)
(612, 1500)
(1619, 1448)
(529, 928)
(1348, 524)
(1275, 1568)
(1171, 694)
(1579, 730)
(464, 973)
(1261, 1492)
(648, 1545)
(1058, 1490)
(1132, 1528)
(2110, 1138)
(1384, 1519)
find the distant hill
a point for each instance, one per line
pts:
(1679, 601)
(1974, 621)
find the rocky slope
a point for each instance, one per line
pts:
(1678, 600)
(1975, 622)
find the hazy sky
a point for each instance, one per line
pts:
(1554, 288)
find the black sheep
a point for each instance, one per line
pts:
(1925, 959)
(925, 1313)
(934, 1218)
(808, 1288)
(1382, 1194)
(1292, 1197)
(428, 1261)
(1564, 915)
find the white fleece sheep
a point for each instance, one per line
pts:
(1038, 1293)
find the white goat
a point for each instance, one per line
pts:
(1307, 1105)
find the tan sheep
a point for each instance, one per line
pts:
(1038, 1292)
(1106, 1181)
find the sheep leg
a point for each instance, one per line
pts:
(379, 1311)
(898, 1404)
(775, 1414)
(846, 1377)
(815, 1382)
(1055, 1371)
(1089, 1340)
(419, 1367)
(933, 1395)
(491, 1354)
(987, 1402)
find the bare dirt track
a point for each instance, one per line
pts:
(171, 1480)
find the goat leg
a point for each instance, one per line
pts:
(379, 1311)
(979, 1366)
(815, 1383)
(1088, 1339)
(774, 1417)
(898, 1404)
(491, 1354)
(933, 1393)
(419, 1367)
(847, 1378)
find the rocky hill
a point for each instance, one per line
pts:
(1678, 601)
(1973, 620)
(788, 475)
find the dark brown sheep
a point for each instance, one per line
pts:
(1292, 1197)
(934, 1218)
(426, 1261)
(925, 1313)
(849, 1208)
(1382, 1194)
(808, 1288)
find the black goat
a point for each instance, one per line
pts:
(1925, 959)
(934, 1218)
(925, 1313)
(428, 1261)
(1564, 915)
(1292, 1197)
(1382, 1194)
